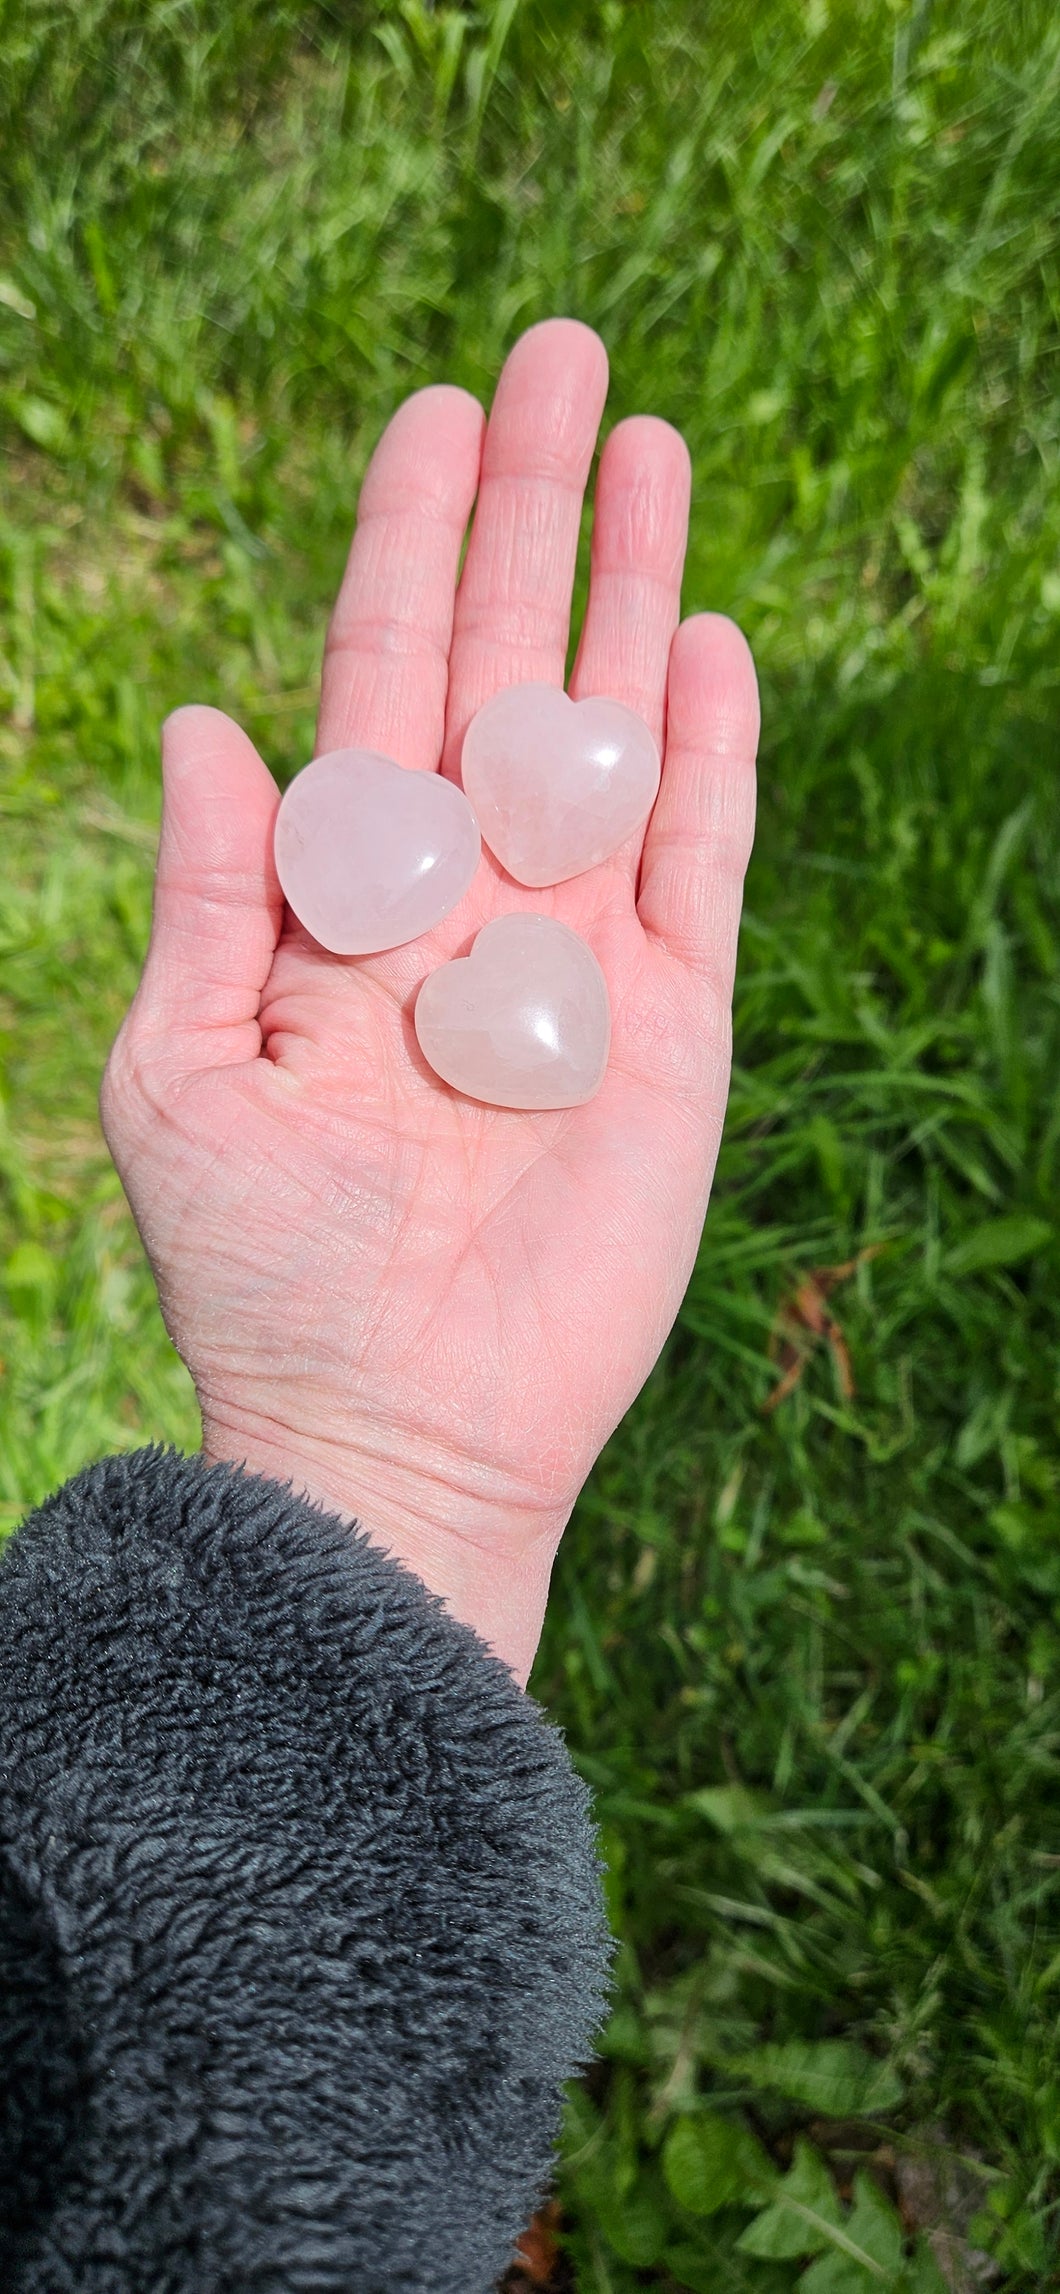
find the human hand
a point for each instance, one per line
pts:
(427, 1313)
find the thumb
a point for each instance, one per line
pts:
(218, 907)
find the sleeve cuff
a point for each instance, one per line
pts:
(301, 1926)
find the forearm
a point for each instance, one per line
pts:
(469, 1539)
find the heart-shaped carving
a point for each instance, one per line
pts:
(557, 784)
(369, 854)
(523, 1021)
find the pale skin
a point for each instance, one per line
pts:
(426, 1314)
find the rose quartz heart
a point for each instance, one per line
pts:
(523, 1021)
(557, 784)
(370, 855)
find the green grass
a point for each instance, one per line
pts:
(809, 1657)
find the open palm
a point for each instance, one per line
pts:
(425, 1312)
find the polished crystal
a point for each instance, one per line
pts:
(370, 854)
(523, 1021)
(557, 784)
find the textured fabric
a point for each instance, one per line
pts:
(300, 1912)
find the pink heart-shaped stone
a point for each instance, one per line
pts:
(369, 854)
(557, 784)
(523, 1021)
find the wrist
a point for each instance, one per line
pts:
(486, 1551)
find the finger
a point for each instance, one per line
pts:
(386, 660)
(699, 837)
(512, 619)
(640, 530)
(218, 907)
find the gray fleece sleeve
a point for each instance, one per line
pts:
(300, 1912)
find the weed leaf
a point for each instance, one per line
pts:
(805, 2216)
(710, 2162)
(870, 2254)
(830, 2075)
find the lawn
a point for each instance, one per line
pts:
(805, 1632)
